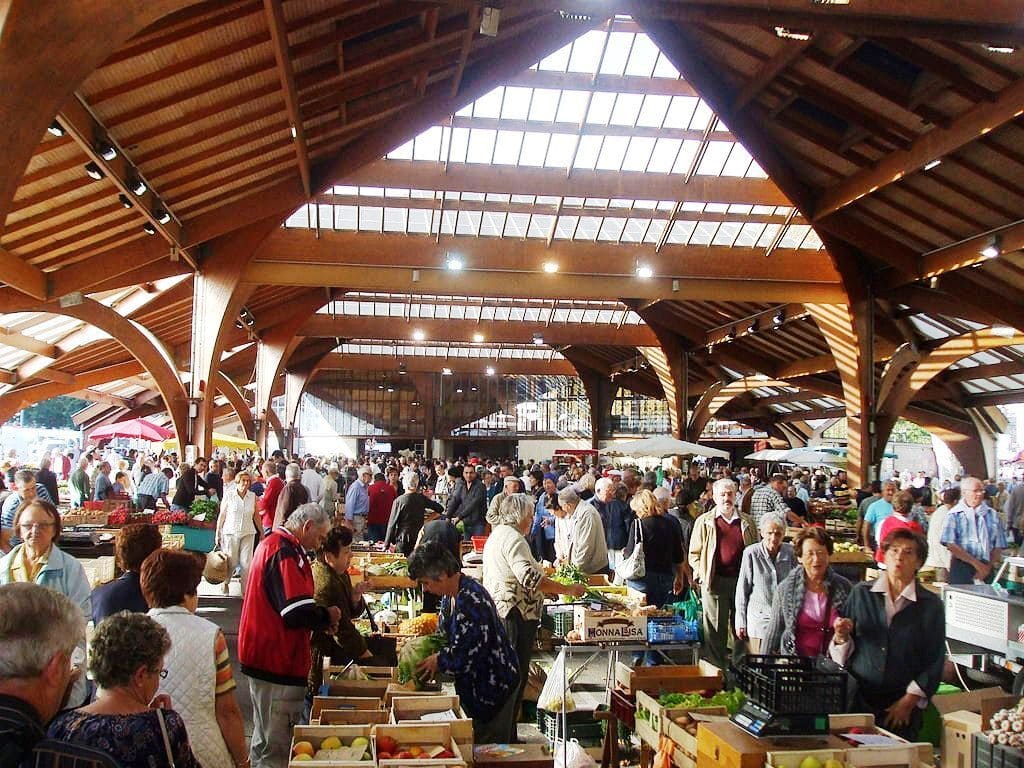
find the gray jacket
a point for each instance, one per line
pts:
(786, 606)
(759, 577)
(467, 504)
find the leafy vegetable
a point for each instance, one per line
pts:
(569, 574)
(731, 700)
(415, 650)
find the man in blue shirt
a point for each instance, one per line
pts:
(877, 512)
(543, 530)
(357, 500)
(974, 535)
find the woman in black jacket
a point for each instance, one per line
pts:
(663, 550)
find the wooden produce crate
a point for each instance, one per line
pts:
(725, 745)
(99, 570)
(396, 690)
(413, 735)
(315, 735)
(354, 717)
(794, 757)
(343, 704)
(851, 558)
(410, 709)
(890, 757)
(677, 678)
(375, 687)
(388, 582)
(685, 752)
(83, 517)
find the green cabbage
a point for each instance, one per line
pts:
(414, 651)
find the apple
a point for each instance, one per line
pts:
(404, 755)
(445, 754)
(810, 762)
(303, 748)
(415, 751)
(386, 744)
(384, 755)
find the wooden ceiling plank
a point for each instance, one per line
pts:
(937, 143)
(788, 52)
(279, 41)
(22, 276)
(472, 24)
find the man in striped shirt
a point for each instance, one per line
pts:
(39, 631)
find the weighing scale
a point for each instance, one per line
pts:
(779, 687)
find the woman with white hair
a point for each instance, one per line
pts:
(586, 547)
(515, 581)
(763, 568)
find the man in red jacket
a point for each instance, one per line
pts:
(274, 474)
(382, 496)
(278, 614)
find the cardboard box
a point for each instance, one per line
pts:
(343, 758)
(607, 626)
(411, 735)
(964, 714)
(675, 678)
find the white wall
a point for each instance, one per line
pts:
(538, 450)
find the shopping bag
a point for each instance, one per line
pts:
(634, 567)
(569, 754)
(663, 757)
(555, 688)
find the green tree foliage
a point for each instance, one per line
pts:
(53, 414)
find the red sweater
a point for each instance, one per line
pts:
(729, 549)
(382, 495)
(268, 501)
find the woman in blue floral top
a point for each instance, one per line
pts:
(478, 653)
(128, 718)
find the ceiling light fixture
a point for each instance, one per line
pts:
(991, 250)
(786, 33)
(454, 263)
(162, 216)
(550, 267)
(402, 370)
(478, 337)
(93, 171)
(148, 228)
(472, 389)
(458, 390)
(934, 282)
(55, 129)
(446, 371)
(295, 133)
(933, 164)
(138, 187)
(538, 339)
(731, 334)
(418, 335)
(415, 403)
(391, 389)
(107, 151)
(1003, 49)
(124, 201)
(380, 386)
(754, 326)
(780, 317)
(644, 272)
(489, 370)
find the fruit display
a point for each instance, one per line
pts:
(394, 568)
(846, 546)
(424, 624)
(415, 650)
(389, 749)
(1007, 727)
(731, 700)
(332, 749)
(812, 762)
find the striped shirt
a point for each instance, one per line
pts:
(23, 742)
(224, 681)
(977, 532)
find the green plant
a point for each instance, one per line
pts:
(204, 510)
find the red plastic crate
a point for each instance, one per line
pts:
(478, 543)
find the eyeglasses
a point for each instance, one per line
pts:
(37, 526)
(162, 673)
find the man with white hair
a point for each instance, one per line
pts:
(312, 481)
(509, 485)
(293, 495)
(357, 499)
(974, 535)
(716, 552)
(278, 614)
(616, 517)
(39, 631)
(587, 549)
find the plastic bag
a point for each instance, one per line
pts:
(554, 688)
(663, 757)
(569, 754)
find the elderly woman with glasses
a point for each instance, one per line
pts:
(892, 638)
(39, 560)
(129, 720)
(515, 581)
(808, 603)
(763, 567)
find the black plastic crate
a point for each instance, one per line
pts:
(790, 685)
(995, 755)
(582, 726)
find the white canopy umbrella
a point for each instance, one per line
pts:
(662, 446)
(767, 454)
(812, 457)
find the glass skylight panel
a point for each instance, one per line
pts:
(617, 53)
(749, 235)
(602, 104)
(474, 197)
(468, 223)
(531, 314)
(447, 222)
(299, 219)
(682, 231)
(701, 116)
(428, 144)
(612, 153)
(489, 105)
(703, 233)
(638, 155)
(481, 146)
(544, 105)
(540, 225)
(643, 57)
(345, 217)
(768, 235)
(459, 139)
(627, 109)
(611, 229)
(557, 61)
(653, 110)
(587, 152)
(575, 315)
(680, 112)
(423, 194)
(403, 152)
(684, 159)
(560, 315)
(794, 235)
(716, 208)
(565, 227)
(492, 224)
(516, 224)
(397, 192)
(588, 228)
(524, 199)
(586, 51)
(572, 107)
(560, 149)
(812, 241)
(517, 103)
(507, 147)
(738, 162)
(325, 216)
(655, 230)
(763, 210)
(634, 230)
(493, 198)
(714, 158)
(395, 219)
(727, 233)
(345, 190)
(534, 149)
